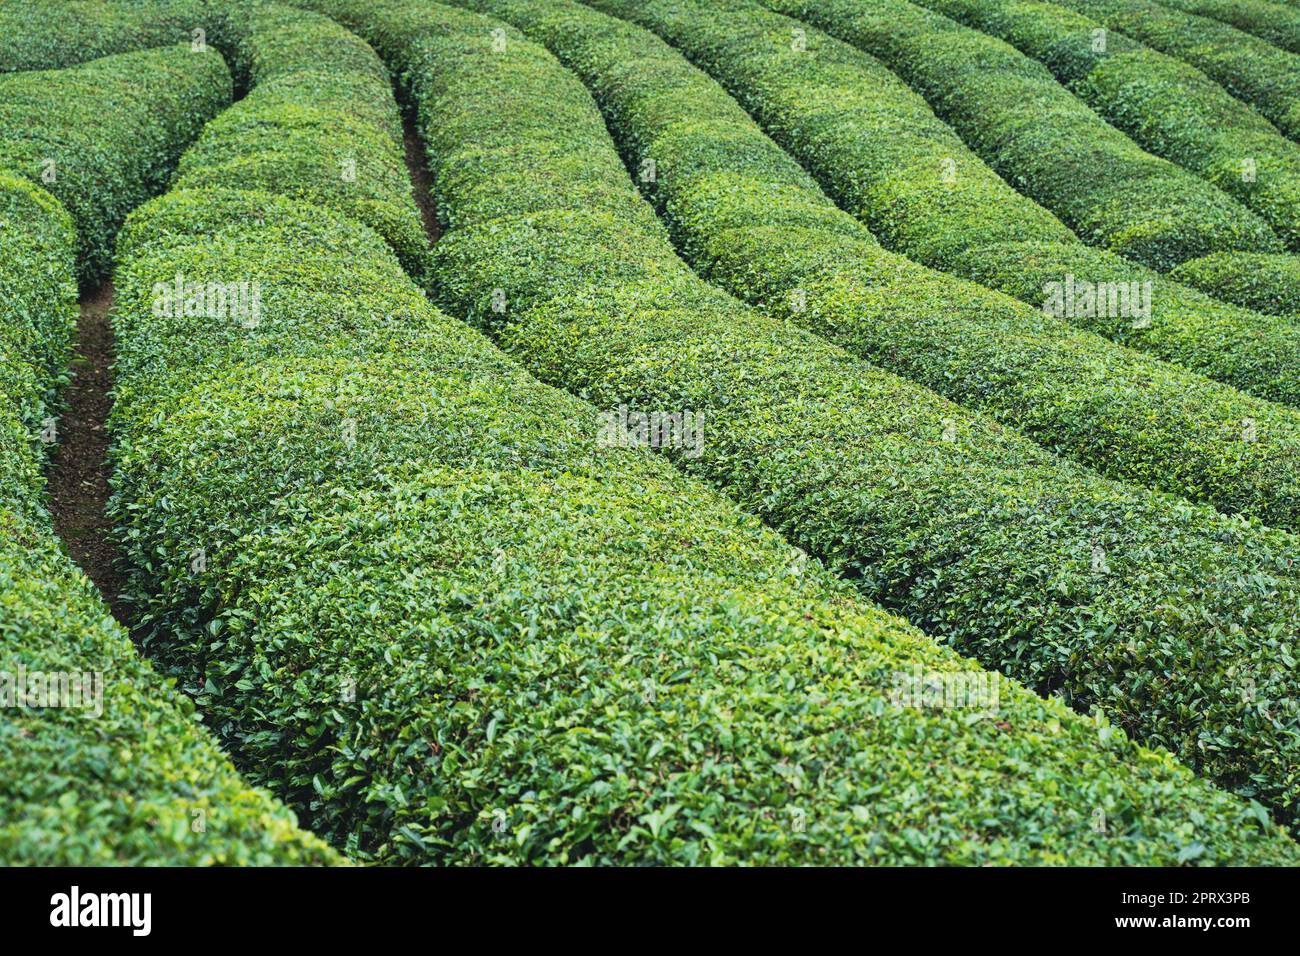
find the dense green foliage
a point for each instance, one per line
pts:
(123, 774)
(1043, 140)
(138, 783)
(750, 219)
(449, 624)
(1166, 105)
(1012, 112)
(876, 147)
(37, 309)
(297, 66)
(452, 628)
(1266, 283)
(99, 141)
(1030, 563)
(1277, 23)
(51, 34)
(1249, 68)
(1178, 112)
(319, 124)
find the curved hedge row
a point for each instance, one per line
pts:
(363, 170)
(451, 628)
(1166, 105)
(139, 782)
(1277, 23)
(120, 773)
(53, 34)
(99, 142)
(324, 132)
(38, 311)
(468, 639)
(1031, 563)
(1263, 282)
(1249, 68)
(876, 147)
(750, 219)
(1045, 141)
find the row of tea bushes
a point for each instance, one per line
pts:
(52, 34)
(38, 315)
(363, 168)
(1275, 22)
(102, 760)
(100, 144)
(453, 629)
(111, 767)
(1260, 281)
(1178, 112)
(1028, 562)
(1166, 105)
(319, 124)
(1045, 141)
(880, 152)
(1249, 68)
(750, 219)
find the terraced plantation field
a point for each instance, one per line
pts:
(625, 432)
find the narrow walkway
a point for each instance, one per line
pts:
(417, 166)
(79, 467)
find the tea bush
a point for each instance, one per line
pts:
(1011, 555)
(99, 142)
(751, 220)
(876, 147)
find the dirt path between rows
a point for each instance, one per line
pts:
(420, 178)
(79, 467)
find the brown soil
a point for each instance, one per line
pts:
(420, 178)
(79, 467)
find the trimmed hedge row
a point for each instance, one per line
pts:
(877, 148)
(451, 629)
(364, 169)
(1031, 563)
(1046, 142)
(140, 782)
(53, 34)
(102, 144)
(324, 132)
(1277, 23)
(38, 314)
(1249, 68)
(751, 220)
(123, 774)
(468, 639)
(1263, 282)
(1166, 105)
